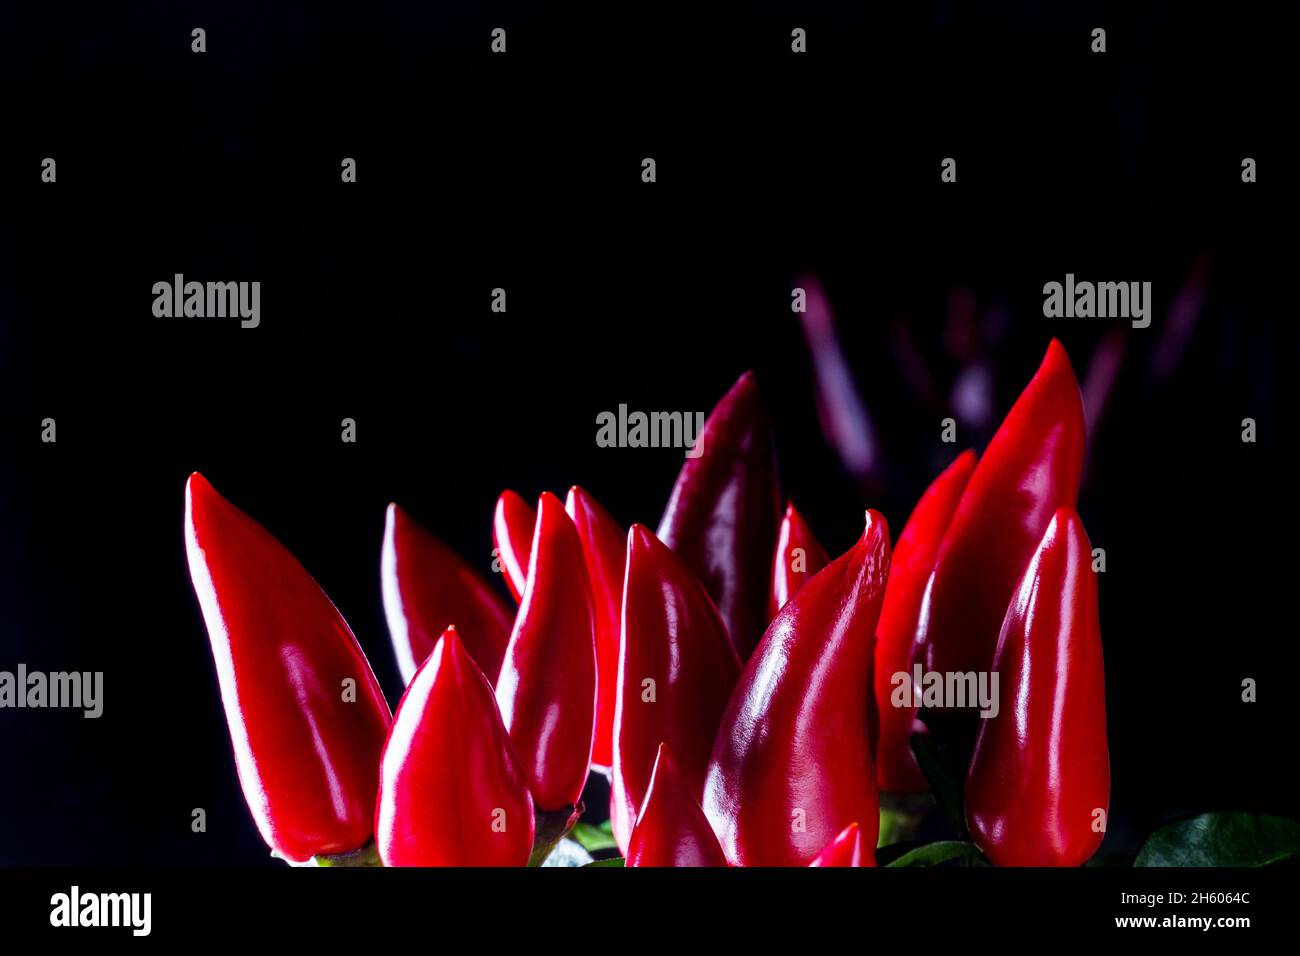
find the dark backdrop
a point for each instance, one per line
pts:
(522, 171)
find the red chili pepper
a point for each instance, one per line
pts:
(451, 789)
(1031, 468)
(1038, 787)
(306, 716)
(846, 849)
(606, 556)
(671, 829)
(798, 557)
(722, 517)
(427, 588)
(547, 687)
(909, 571)
(677, 669)
(512, 533)
(792, 765)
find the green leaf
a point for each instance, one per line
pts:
(593, 837)
(886, 855)
(932, 854)
(616, 861)
(551, 827)
(1222, 839)
(944, 783)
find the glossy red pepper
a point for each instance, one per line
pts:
(722, 517)
(671, 829)
(606, 556)
(547, 687)
(1038, 787)
(798, 557)
(677, 669)
(427, 588)
(792, 765)
(306, 716)
(451, 789)
(909, 572)
(512, 534)
(1031, 467)
(847, 849)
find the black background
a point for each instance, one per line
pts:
(523, 171)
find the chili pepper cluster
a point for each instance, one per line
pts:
(734, 682)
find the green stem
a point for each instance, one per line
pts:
(551, 827)
(368, 855)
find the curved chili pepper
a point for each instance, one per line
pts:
(427, 588)
(451, 789)
(547, 687)
(671, 829)
(512, 533)
(1038, 787)
(606, 555)
(846, 849)
(721, 519)
(798, 557)
(792, 766)
(676, 671)
(909, 570)
(1031, 468)
(307, 719)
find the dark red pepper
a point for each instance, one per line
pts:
(798, 557)
(512, 534)
(427, 588)
(677, 669)
(547, 687)
(1038, 787)
(451, 789)
(671, 829)
(306, 716)
(792, 765)
(847, 849)
(1031, 467)
(603, 545)
(722, 517)
(909, 572)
